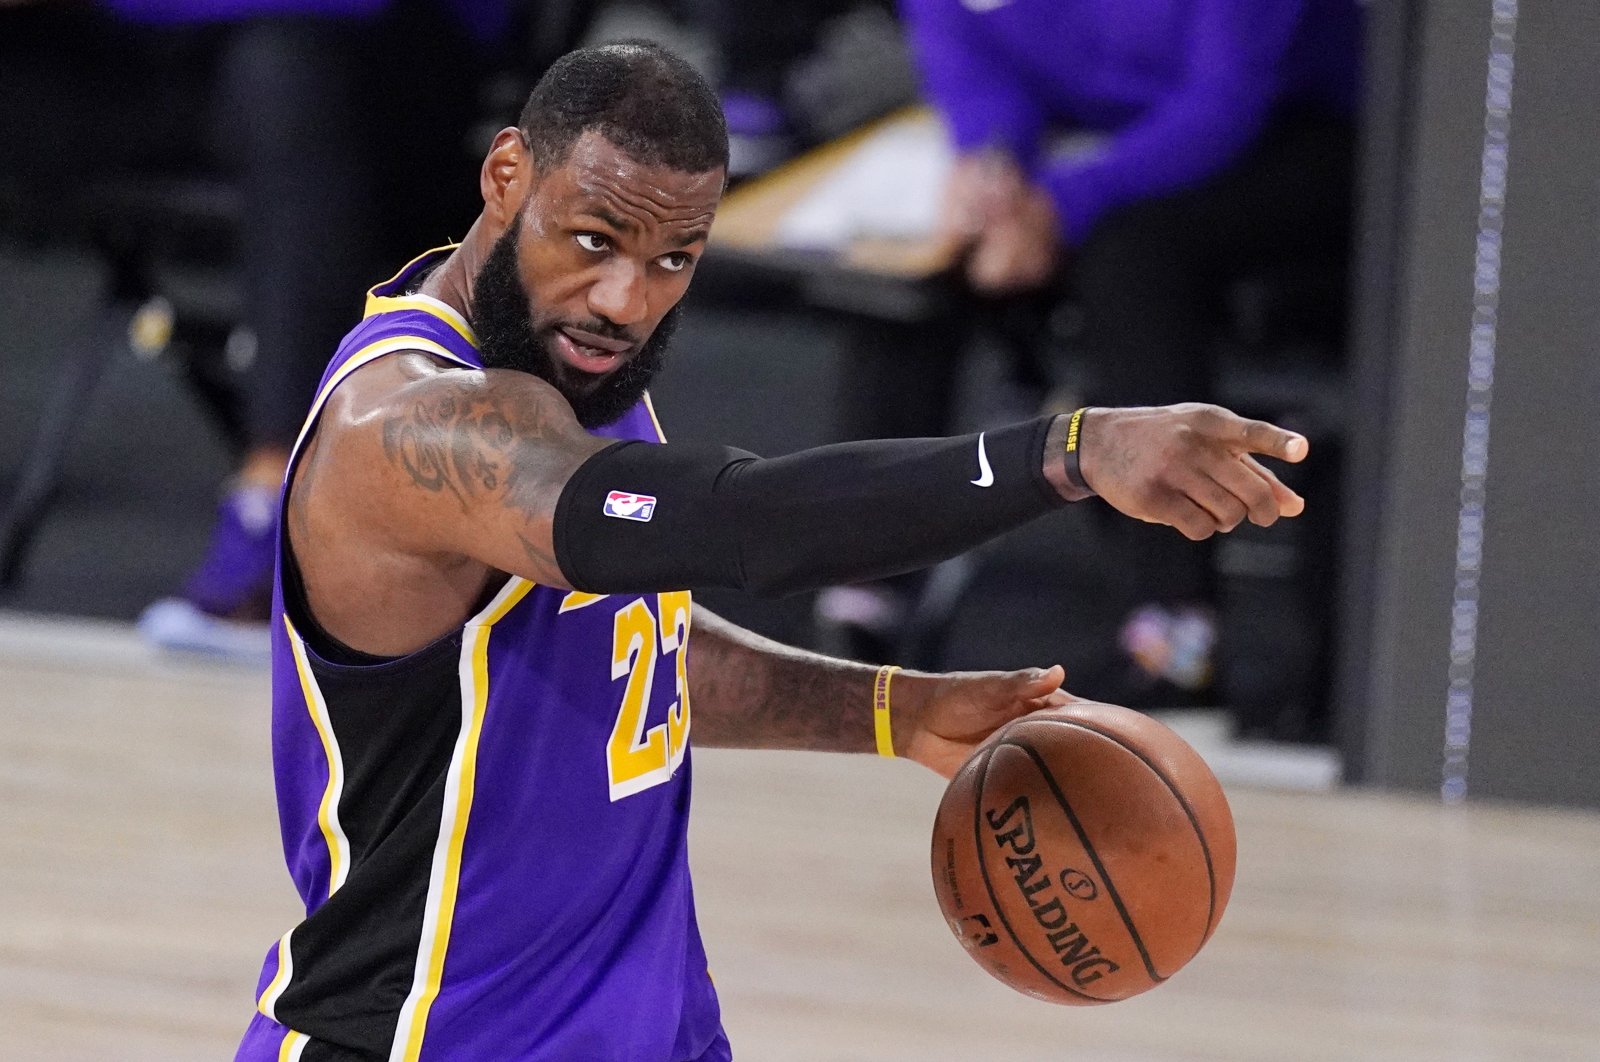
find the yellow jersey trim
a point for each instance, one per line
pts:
(366, 355)
(655, 420)
(268, 1002)
(578, 599)
(328, 811)
(293, 1046)
(444, 877)
(376, 303)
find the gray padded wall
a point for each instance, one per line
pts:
(1532, 678)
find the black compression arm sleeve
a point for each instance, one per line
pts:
(637, 517)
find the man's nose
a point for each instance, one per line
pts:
(619, 294)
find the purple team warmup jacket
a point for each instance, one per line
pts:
(1182, 86)
(484, 19)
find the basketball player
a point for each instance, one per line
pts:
(483, 688)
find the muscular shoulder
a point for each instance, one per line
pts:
(408, 448)
(378, 396)
(420, 481)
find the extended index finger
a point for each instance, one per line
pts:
(1259, 437)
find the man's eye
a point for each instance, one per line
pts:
(592, 241)
(676, 262)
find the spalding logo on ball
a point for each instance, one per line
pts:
(1084, 854)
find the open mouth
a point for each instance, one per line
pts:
(586, 358)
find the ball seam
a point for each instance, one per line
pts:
(1183, 802)
(988, 886)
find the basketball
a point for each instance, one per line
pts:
(1083, 854)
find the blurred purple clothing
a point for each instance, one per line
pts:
(1182, 87)
(485, 19)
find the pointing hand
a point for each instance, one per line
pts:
(1190, 466)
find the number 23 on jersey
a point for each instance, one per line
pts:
(636, 758)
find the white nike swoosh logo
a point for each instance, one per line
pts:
(985, 473)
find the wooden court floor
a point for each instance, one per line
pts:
(140, 884)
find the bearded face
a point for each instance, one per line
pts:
(513, 333)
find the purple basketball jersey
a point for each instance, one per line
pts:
(490, 834)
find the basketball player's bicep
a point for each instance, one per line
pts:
(474, 463)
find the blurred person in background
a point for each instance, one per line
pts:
(1137, 156)
(341, 124)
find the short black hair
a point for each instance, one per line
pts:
(639, 96)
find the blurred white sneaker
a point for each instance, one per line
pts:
(178, 624)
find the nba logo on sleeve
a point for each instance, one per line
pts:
(625, 506)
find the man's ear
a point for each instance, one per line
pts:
(506, 177)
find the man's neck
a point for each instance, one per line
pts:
(451, 281)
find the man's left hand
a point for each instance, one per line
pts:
(939, 719)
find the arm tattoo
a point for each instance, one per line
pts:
(751, 692)
(490, 443)
(451, 443)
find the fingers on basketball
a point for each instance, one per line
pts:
(1046, 679)
(1034, 871)
(1039, 687)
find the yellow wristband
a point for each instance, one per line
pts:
(880, 709)
(1074, 436)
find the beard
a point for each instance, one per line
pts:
(512, 336)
